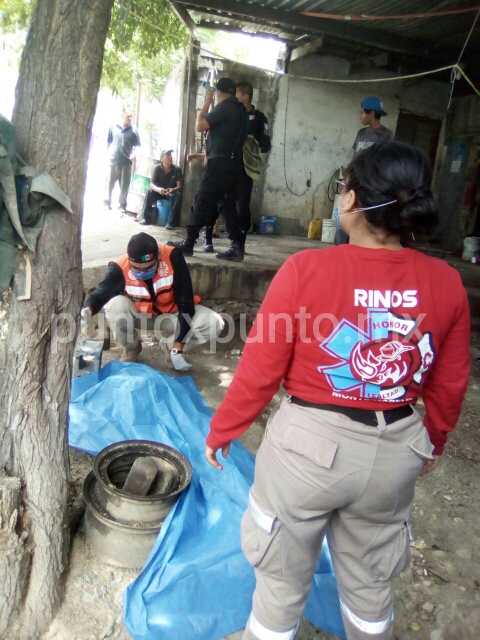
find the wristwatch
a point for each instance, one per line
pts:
(174, 351)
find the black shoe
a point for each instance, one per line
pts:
(185, 247)
(234, 254)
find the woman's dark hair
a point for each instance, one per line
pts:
(394, 171)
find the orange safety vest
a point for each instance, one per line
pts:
(162, 284)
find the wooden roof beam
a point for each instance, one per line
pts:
(185, 17)
(307, 49)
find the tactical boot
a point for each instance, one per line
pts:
(207, 242)
(234, 254)
(185, 246)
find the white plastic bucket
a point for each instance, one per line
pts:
(329, 228)
(471, 245)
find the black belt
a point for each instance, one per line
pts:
(233, 155)
(359, 415)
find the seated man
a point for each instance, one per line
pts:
(152, 282)
(167, 181)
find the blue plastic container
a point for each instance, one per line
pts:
(268, 225)
(163, 211)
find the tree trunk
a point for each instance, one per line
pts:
(55, 103)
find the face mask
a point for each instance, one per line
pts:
(337, 215)
(145, 275)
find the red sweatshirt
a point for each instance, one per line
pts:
(357, 327)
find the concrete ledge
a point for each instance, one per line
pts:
(218, 281)
(222, 280)
(211, 277)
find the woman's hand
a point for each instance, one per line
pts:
(211, 455)
(429, 465)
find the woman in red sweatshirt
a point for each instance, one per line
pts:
(357, 333)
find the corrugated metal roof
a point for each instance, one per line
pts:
(450, 30)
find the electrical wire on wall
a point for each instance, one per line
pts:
(332, 188)
(309, 181)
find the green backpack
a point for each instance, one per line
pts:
(252, 159)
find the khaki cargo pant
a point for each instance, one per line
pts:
(124, 320)
(319, 472)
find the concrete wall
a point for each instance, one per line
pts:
(315, 125)
(314, 129)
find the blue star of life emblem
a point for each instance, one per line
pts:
(347, 338)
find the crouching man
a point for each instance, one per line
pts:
(151, 285)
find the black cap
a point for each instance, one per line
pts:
(142, 248)
(226, 85)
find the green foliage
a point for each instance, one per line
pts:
(15, 14)
(145, 41)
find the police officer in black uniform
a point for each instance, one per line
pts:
(226, 125)
(239, 218)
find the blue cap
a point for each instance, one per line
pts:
(373, 104)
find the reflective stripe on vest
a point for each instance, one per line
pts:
(135, 292)
(263, 633)
(163, 282)
(373, 628)
(139, 292)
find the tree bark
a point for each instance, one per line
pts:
(55, 104)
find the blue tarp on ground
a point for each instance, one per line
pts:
(196, 583)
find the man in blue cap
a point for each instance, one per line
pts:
(371, 110)
(370, 113)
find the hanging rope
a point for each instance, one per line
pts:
(455, 75)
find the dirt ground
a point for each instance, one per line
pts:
(438, 598)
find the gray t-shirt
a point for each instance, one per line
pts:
(368, 136)
(121, 143)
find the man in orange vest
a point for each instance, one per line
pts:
(151, 284)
